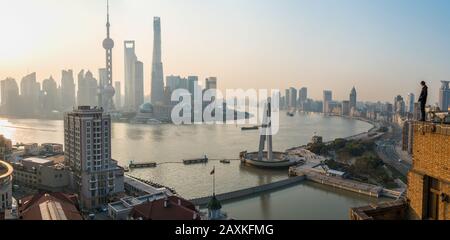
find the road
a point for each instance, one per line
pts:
(386, 149)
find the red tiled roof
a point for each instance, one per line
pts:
(177, 209)
(30, 207)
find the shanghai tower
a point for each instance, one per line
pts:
(157, 93)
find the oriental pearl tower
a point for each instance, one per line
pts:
(107, 91)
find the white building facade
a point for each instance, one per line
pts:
(96, 177)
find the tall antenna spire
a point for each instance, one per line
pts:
(107, 91)
(107, 18)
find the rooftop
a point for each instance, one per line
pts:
(5, 169)
(128, 202)
(143, 186)
(49, 206)
(36, 160)
(171, 208)
(56, 159)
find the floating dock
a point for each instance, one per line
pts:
(195, 161)
(142, 165)
(249, 128)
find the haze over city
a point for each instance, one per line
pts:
(384, 48)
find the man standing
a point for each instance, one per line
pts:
(423, 100)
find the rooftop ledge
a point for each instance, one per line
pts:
(432, 127)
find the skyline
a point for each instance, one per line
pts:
(333, 53)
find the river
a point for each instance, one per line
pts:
(170, 143)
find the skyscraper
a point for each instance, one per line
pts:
(87, 141)
(444, 96)
(288, 98)
(10, 101)
(353, 97)
(345, 108)
(87, 94)
(173, 82)
(67, 90)
(139, 88)
(134, 78)
(410, 103)
(106, 90)
(118, 96)
(293, 96)
(192, 84)
(327, 98)
(157, 92)
(29, 94)
(50, 95)
(399, 106)
(303, 94)
(211, 83)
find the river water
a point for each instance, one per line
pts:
(169, 144)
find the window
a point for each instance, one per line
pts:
(431, 198)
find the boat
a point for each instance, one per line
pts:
(290, 114)
(225, 161)
(249, 128)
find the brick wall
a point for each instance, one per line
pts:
(431, 157)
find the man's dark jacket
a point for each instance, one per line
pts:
(423, 95)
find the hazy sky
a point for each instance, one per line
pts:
(383, 47)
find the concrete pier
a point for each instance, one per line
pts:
(345, 184)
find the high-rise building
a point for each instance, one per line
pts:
(303, 97)
(87, 94)
(192, 84)
(134, 78)
(399, 106)
(288, 98)
(293, 98)
(444, 96)
(327, 97)
(157, 91)
(184, 83)
(87, 142)
(106, 90)
(346, 108)
(118, 96)
(353, 98)
(211, 83)
(50, 95)
(10, 101)
(67, 90)
(410, 103)
(30, 91)
(139, 84)
(173, 82)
